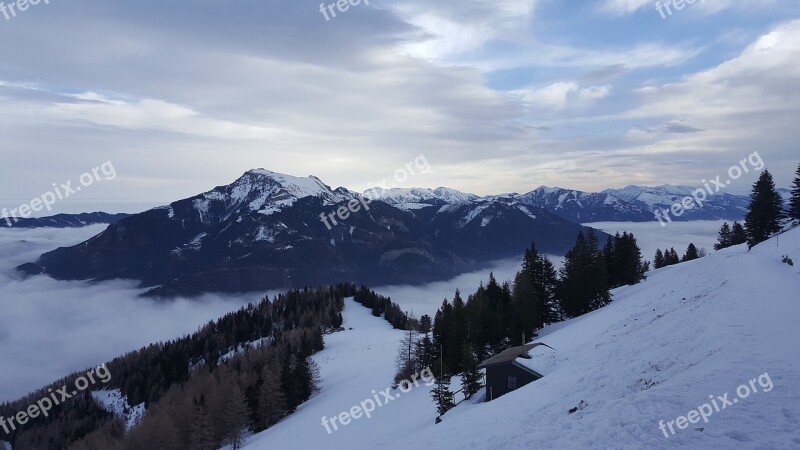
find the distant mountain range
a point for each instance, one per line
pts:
(264, 231)
(630, 204)
(63, 220)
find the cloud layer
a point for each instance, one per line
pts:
(499, 95)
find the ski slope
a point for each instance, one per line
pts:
(661, 349)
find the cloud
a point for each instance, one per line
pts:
(624, 7)
(561, 95)
(51, 328)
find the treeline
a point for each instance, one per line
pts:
(498, 315)
(195, 397)
(764, 214)
(383, 306)
(729, 236)
(670, 257)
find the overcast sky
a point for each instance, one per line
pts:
(499, 95)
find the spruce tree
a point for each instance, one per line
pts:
(738, 235)
(545, 282)
(672, 257)
(724, 237)
(471, 377)
(691, 253)
(442, 396)
(794, 200)
(658, 260)
(441, 326)
(584, 277)
(456, 335)
(765, 210)
(425, 353)
(527, 317)
(624, 260)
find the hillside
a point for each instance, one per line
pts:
(658, 351)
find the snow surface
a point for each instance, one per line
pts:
(114, 402)
(664, 346)
(354, 364)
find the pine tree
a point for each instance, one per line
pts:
(724, 237)
(765, 210)
(624, 260)
(456, 335)
(440, 331)
(738, 234)
(471, 377)
(442, 396)
(672, 257)
(691, 253)
(794, 200)
(658, 260)
(425, 353)
(584, 277)
(546, 286)
(527, 316)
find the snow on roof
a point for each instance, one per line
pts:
(543, 359)
(538, 357)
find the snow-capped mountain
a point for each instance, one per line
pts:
(264, 231)
(720, 205)
(629, 204)
(415, 198)
(259, 190)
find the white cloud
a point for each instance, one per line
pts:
(623, 7)
(561, 95)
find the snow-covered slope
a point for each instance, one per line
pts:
(689, 334)
(355, 365)
(113, 401)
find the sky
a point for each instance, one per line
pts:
(498, 95)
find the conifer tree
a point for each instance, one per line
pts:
(738, 234)
(235, 417)
(441, 327)
(471, 377)
(272, 399)
(456, 335)
(765, 210)
(425, 353)
(794, 200)
(672, 257)
(624, 260)
(658, 260)
(724, 237)
(546, 286)
(691, 253)
(442, 396)
(584, 277)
